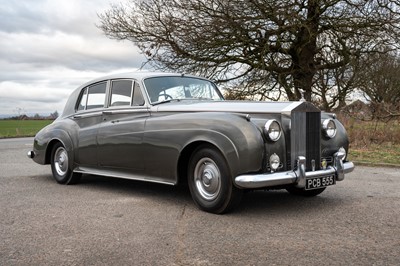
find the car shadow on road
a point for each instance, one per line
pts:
(259, 201)
(138, 188)
(279, 201)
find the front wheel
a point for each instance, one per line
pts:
(210, 181)
(62, 173)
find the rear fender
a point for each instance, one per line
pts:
(63, 137)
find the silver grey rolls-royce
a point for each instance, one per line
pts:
(173, 128)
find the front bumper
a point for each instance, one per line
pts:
(297, 177)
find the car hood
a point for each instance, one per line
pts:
(245, 107)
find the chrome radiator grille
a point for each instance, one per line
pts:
(305, 138)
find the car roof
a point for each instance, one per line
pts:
(137, 75)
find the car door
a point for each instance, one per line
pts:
(88, 118)
(120, 135)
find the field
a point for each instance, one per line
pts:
(374, 142)
(21, 128)
(376, 154)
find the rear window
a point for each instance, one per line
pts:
(93, 97)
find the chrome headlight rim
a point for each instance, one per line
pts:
(272, 134)
(329, 128)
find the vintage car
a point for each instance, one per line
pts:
(177, 128)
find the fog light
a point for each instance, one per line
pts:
(274, 162)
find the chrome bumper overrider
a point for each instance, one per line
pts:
(298, 176)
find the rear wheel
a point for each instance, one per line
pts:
(62, 173)
(305, 193)
(210, 181)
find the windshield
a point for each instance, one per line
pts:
(161, 89)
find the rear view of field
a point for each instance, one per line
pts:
(21, 128)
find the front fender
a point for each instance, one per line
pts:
(331, 146)
(237, 139)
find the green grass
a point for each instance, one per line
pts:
(21, 128)
(376, 154)
(373, 142)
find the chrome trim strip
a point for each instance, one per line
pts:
(86, 115)
(126, 111)
(118, 174)
(297, 177)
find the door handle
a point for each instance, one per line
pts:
(115, 121)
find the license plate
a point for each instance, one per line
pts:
(320, 182)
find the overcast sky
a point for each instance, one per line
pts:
(49, 48)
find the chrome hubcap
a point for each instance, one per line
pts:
(207, 178)
(61, 161)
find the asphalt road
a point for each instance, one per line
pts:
(105, 221)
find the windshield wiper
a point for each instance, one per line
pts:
(197, 99)
(183, 99)
(166, 101)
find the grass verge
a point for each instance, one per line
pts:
(373, 142)
(21, 128)
(376, 154)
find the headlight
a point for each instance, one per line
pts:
(329, 128)
(273, 130)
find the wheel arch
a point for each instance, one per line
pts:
(63, 138)
(185, 155)
(239, 158)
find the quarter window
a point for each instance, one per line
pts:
(93, 97)
(82, 103)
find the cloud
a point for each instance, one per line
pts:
(44, 16)
(72, 51)
(22, 16)
(50, 47)
(45, 92)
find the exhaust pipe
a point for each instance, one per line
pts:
(31, 154)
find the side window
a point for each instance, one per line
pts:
(92, 97)
(138, 99)
(125, 92)
(96, 96)
(82, 103)
(121, 92)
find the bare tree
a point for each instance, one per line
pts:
(333, 87)
(381, 84)
(54, 115)
(270, 47)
